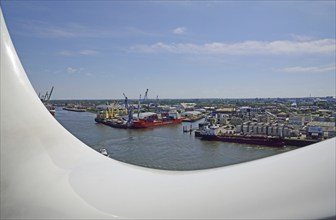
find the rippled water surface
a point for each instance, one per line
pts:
(164, 147)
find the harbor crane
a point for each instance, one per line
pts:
(126, 101)
(156, 104)
(47, 96)
(129, 109)
(139, 106)
(146, 99)
(52, 89)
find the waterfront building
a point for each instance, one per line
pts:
(202, 110)
(226, 110)
(298, 120)
(279, 130)
(236, 121)
(247, 110)
(319, 129)
(188, 106)
(191, 113)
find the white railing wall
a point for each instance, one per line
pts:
(48, 173)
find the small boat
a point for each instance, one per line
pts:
(103, 151)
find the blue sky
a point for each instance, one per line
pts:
(176, 49)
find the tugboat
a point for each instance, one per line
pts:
(103, 151)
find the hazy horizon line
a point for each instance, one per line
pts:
(103, 99)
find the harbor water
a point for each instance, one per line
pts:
(166, 147)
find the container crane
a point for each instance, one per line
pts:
(44, 98)
(129, 109)
(126, 102)
(47, 96)
(146, 99)
(156, 104)
(52, 89)
(139, 106)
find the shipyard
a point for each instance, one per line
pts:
(281, 124)
(249, 128)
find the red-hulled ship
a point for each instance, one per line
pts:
(247, 139)
(157, 120)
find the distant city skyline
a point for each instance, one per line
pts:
(176, 49)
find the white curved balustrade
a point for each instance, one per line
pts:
(48, 173)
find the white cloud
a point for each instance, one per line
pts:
(76, 30)
(71, 30)
(299, 37)
(88, 52)
(309, 69)
(179, 30)
(72, 70)
(66, 53)
(77, 53)
(322, 46)
(80, 71)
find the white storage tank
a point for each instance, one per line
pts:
(239, 128)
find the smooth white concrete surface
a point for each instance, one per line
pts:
(48, 173)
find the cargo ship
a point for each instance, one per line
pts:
(74, 108)
(114, 117)
(246, 139)
(157, 120)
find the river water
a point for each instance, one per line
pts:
(164, 147)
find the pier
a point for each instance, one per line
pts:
(188, 128)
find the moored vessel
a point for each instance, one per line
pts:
(75, 108)
(157, 120)
(115, 122)
(246, 139)
(51, 109)
(114, 117)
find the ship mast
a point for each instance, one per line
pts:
(139, 106)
